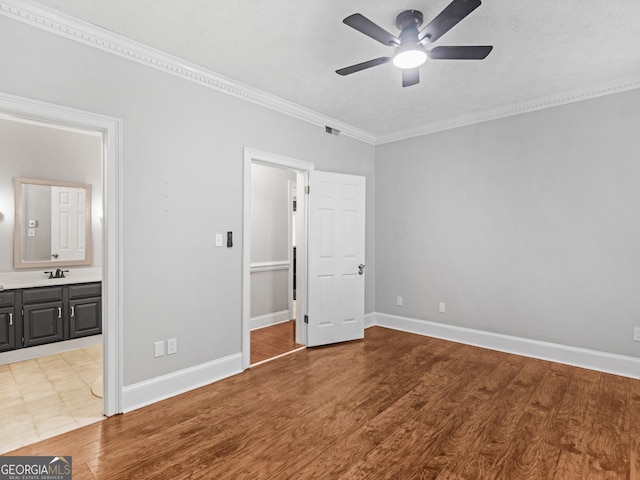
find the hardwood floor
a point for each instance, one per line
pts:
(394, 405)
(272, 341)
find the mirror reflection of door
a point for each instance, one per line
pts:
(68, 223)
(53, 223)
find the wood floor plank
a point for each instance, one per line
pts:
(394, 405)
(536, 428)
(274, 340)
(608, 444)
(572, 419)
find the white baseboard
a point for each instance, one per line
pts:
(269, 319)
(578, 357)
(369, 320)
(155, 389)
(28, 353)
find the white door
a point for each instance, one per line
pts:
(68, 216)
(336, 258)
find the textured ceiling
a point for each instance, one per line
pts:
(291, 49)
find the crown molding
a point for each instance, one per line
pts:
(575, 95)
(88, 34)
(75, 29)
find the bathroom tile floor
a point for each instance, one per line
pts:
(46, 396)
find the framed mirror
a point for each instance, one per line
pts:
(52, 223)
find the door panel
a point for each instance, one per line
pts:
(42, 323)
(85, 317)
(68, 223)
(336, 249)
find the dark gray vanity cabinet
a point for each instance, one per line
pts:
(42, 315)
(39, 315)
(85, 310)
(7, 321)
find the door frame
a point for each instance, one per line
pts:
(110, 130)
(290, 213)
(302, 170)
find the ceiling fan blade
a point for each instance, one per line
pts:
(472, 52)
(370, 29)
(410, 76)
(363, 66)
(447, 19)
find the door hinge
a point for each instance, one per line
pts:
(306, 319)
(307, 189)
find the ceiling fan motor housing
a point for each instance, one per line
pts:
(408, 22)
(409, 18)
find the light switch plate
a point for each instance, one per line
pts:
(158, 349)
(218, 239)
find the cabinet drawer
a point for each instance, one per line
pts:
(85, 290)
(7, 299)
(47, 294)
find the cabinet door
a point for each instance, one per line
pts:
(42, 323)
(85, 317)
(7, 329)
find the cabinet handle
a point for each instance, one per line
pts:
(59, 312)
(73, 311)
(11, 319)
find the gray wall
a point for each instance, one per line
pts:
(182, 183)
(36, 151)
(269, 237)
(526, 226)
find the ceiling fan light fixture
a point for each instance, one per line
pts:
(410, 58)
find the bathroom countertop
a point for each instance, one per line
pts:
(13, 280)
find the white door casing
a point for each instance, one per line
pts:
(336, 249)
(112, 291)
(302, 170)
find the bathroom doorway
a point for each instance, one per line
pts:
(50, 128)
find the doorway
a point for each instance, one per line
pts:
(109, 132)
(300, 171)
(273, 262)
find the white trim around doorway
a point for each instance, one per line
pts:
(302, 170)
(111, 131)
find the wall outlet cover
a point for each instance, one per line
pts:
(636, 334)
(172, 346)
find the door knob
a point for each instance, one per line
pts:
(361, 269)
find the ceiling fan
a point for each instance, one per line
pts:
(410, 45)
